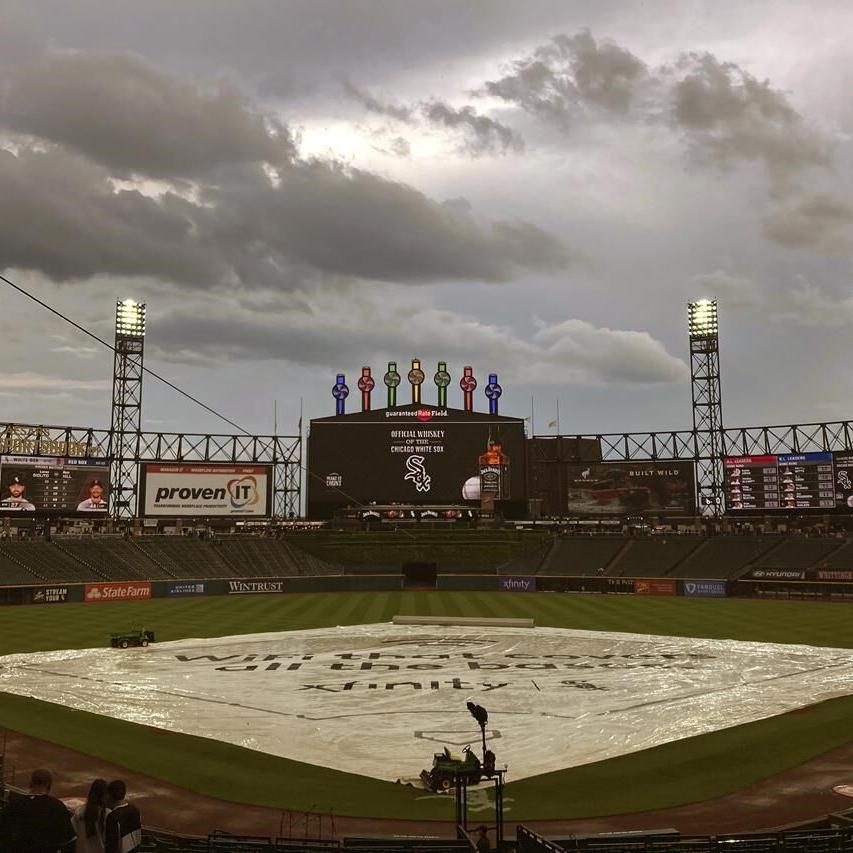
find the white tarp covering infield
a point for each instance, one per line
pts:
(380, 699)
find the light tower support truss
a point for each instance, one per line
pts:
(283, 452)
(707, 405)
(126, 420)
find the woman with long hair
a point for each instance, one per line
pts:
(89, 819)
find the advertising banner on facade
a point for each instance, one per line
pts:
(517, 584)
(654, 587)
(625, 586)
(625, 488)
(96, 593)
(704, 589)
(255, 587)
(187, 588)
(834, 575)
(203, 490)
(777, 574)
(50, 595)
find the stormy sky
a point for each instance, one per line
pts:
(297, 188)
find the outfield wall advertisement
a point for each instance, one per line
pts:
(204, 490)
(96, 593)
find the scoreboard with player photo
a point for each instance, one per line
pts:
(49, 485)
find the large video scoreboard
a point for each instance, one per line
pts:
(49, 485)
(790, 482)
(416, 454)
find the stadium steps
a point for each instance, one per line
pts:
(528, 564)
(610, 568)
(652, 557)
(674, 568)
(796, 552)
(53, 564)
(167, 572)
(313, 565)
(726, 556)
(114, 558)
(581, 555)
(102, 575)
(187, 558)
(842, 558)
(826, 560)
(13, 571)
(255, 557)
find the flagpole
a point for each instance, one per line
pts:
(532, 427)
(558, 416)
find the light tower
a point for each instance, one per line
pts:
(127, 405)
(707, 404)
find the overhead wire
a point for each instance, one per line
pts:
(110, 347)
(65, 318)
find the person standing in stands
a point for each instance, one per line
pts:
(36, 823)
(123, 825)
(483, 845)
(90, 818)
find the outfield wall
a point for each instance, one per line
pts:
(117, 591)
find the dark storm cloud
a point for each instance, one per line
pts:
(820, 222)
(484, 135)
(62, 217)
(573, 350)
(728, 115)
(121, 112)
(725, 114)
(351, 222)
(374, 105)
(571, 73)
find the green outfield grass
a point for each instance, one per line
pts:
(684, 771)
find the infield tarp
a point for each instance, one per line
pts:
(380, 699)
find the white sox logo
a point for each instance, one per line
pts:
(417, 473)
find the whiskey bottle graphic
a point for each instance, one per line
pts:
(494, 472)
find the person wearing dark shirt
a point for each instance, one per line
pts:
(483, 845)
(36, 823)
(123, 826)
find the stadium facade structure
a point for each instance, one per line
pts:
(282, 452)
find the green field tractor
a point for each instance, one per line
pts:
(134, 637)
(447, 768)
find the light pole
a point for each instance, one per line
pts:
(126, 420)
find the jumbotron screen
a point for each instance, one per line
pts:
(624, 488)
(48, 485)
(416, 454)
(790, 482)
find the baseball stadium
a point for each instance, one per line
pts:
(431, 624)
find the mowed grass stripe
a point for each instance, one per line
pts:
(86, 625)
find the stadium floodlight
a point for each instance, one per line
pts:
(481, 715)
(130, 319)
(702, 318)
